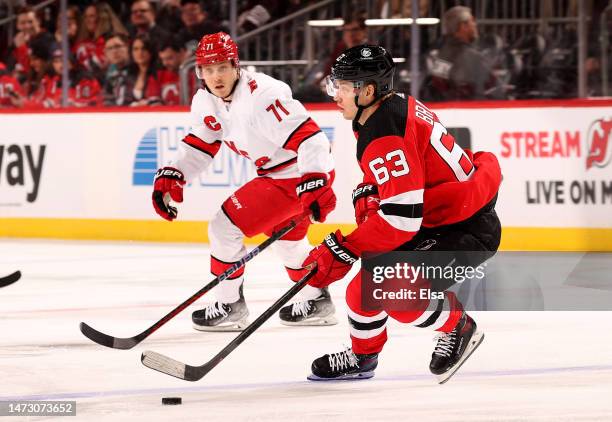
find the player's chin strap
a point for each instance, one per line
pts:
(360, 109)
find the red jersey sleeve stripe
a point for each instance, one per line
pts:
(306, 130)
(200, 145)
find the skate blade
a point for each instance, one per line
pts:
(234, 326)
(319, 321)
(475, 341)
(347, 377)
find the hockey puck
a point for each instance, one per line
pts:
(172, 400)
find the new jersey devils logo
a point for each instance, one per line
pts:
(598, 142)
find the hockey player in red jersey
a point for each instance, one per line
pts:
(420, 191)
(255, 116)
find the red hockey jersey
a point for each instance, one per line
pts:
(424, 178)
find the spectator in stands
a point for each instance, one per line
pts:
(459, 71)
(142, 20)
(142, 86)
(73, 18)
(118, 59)
(169, 16)
(40, 65)
(196, 24)
(11, 92)
(28, 28)
(354, 32)
(171, 55)
(84, 90)
(98, 22)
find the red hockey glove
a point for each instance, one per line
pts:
(366, 201)
(168, 185)
(333, 258)
(316, 194)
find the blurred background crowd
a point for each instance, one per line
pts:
(140, 53)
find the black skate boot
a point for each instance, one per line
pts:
(344, 365)
(319, 311)
(454, 348)
(222, 316)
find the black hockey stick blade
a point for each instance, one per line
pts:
(177, 369)
(125, 343)
(10, 279)
(109, 341)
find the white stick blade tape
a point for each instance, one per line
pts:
(163, 364)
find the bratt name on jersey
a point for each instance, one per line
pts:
(423, 113)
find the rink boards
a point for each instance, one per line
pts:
(88, 174)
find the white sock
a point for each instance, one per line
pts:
(228, 291)
(310, 293)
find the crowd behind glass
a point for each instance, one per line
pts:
(129, 53)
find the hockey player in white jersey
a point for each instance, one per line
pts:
(257, 117)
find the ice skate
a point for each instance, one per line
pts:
(220, 316)
(454, 348)
(344, 365)
(319, 311)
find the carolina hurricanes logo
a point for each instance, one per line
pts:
(598, 141)
(212, 123)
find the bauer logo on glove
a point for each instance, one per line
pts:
(366, 201)
(340, 253)
(316, 194)
(363, 191)
(168, 186)
(310, 186)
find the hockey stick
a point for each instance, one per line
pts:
(129, 342)
(10, 279)
(186, 372)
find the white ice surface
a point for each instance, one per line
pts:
(544, 366)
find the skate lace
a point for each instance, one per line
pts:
(446, 342)
(300, 308)
(214, 310)
(344, 359)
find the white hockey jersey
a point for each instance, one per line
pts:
(263, 123)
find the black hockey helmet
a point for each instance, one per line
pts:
(364, 64)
